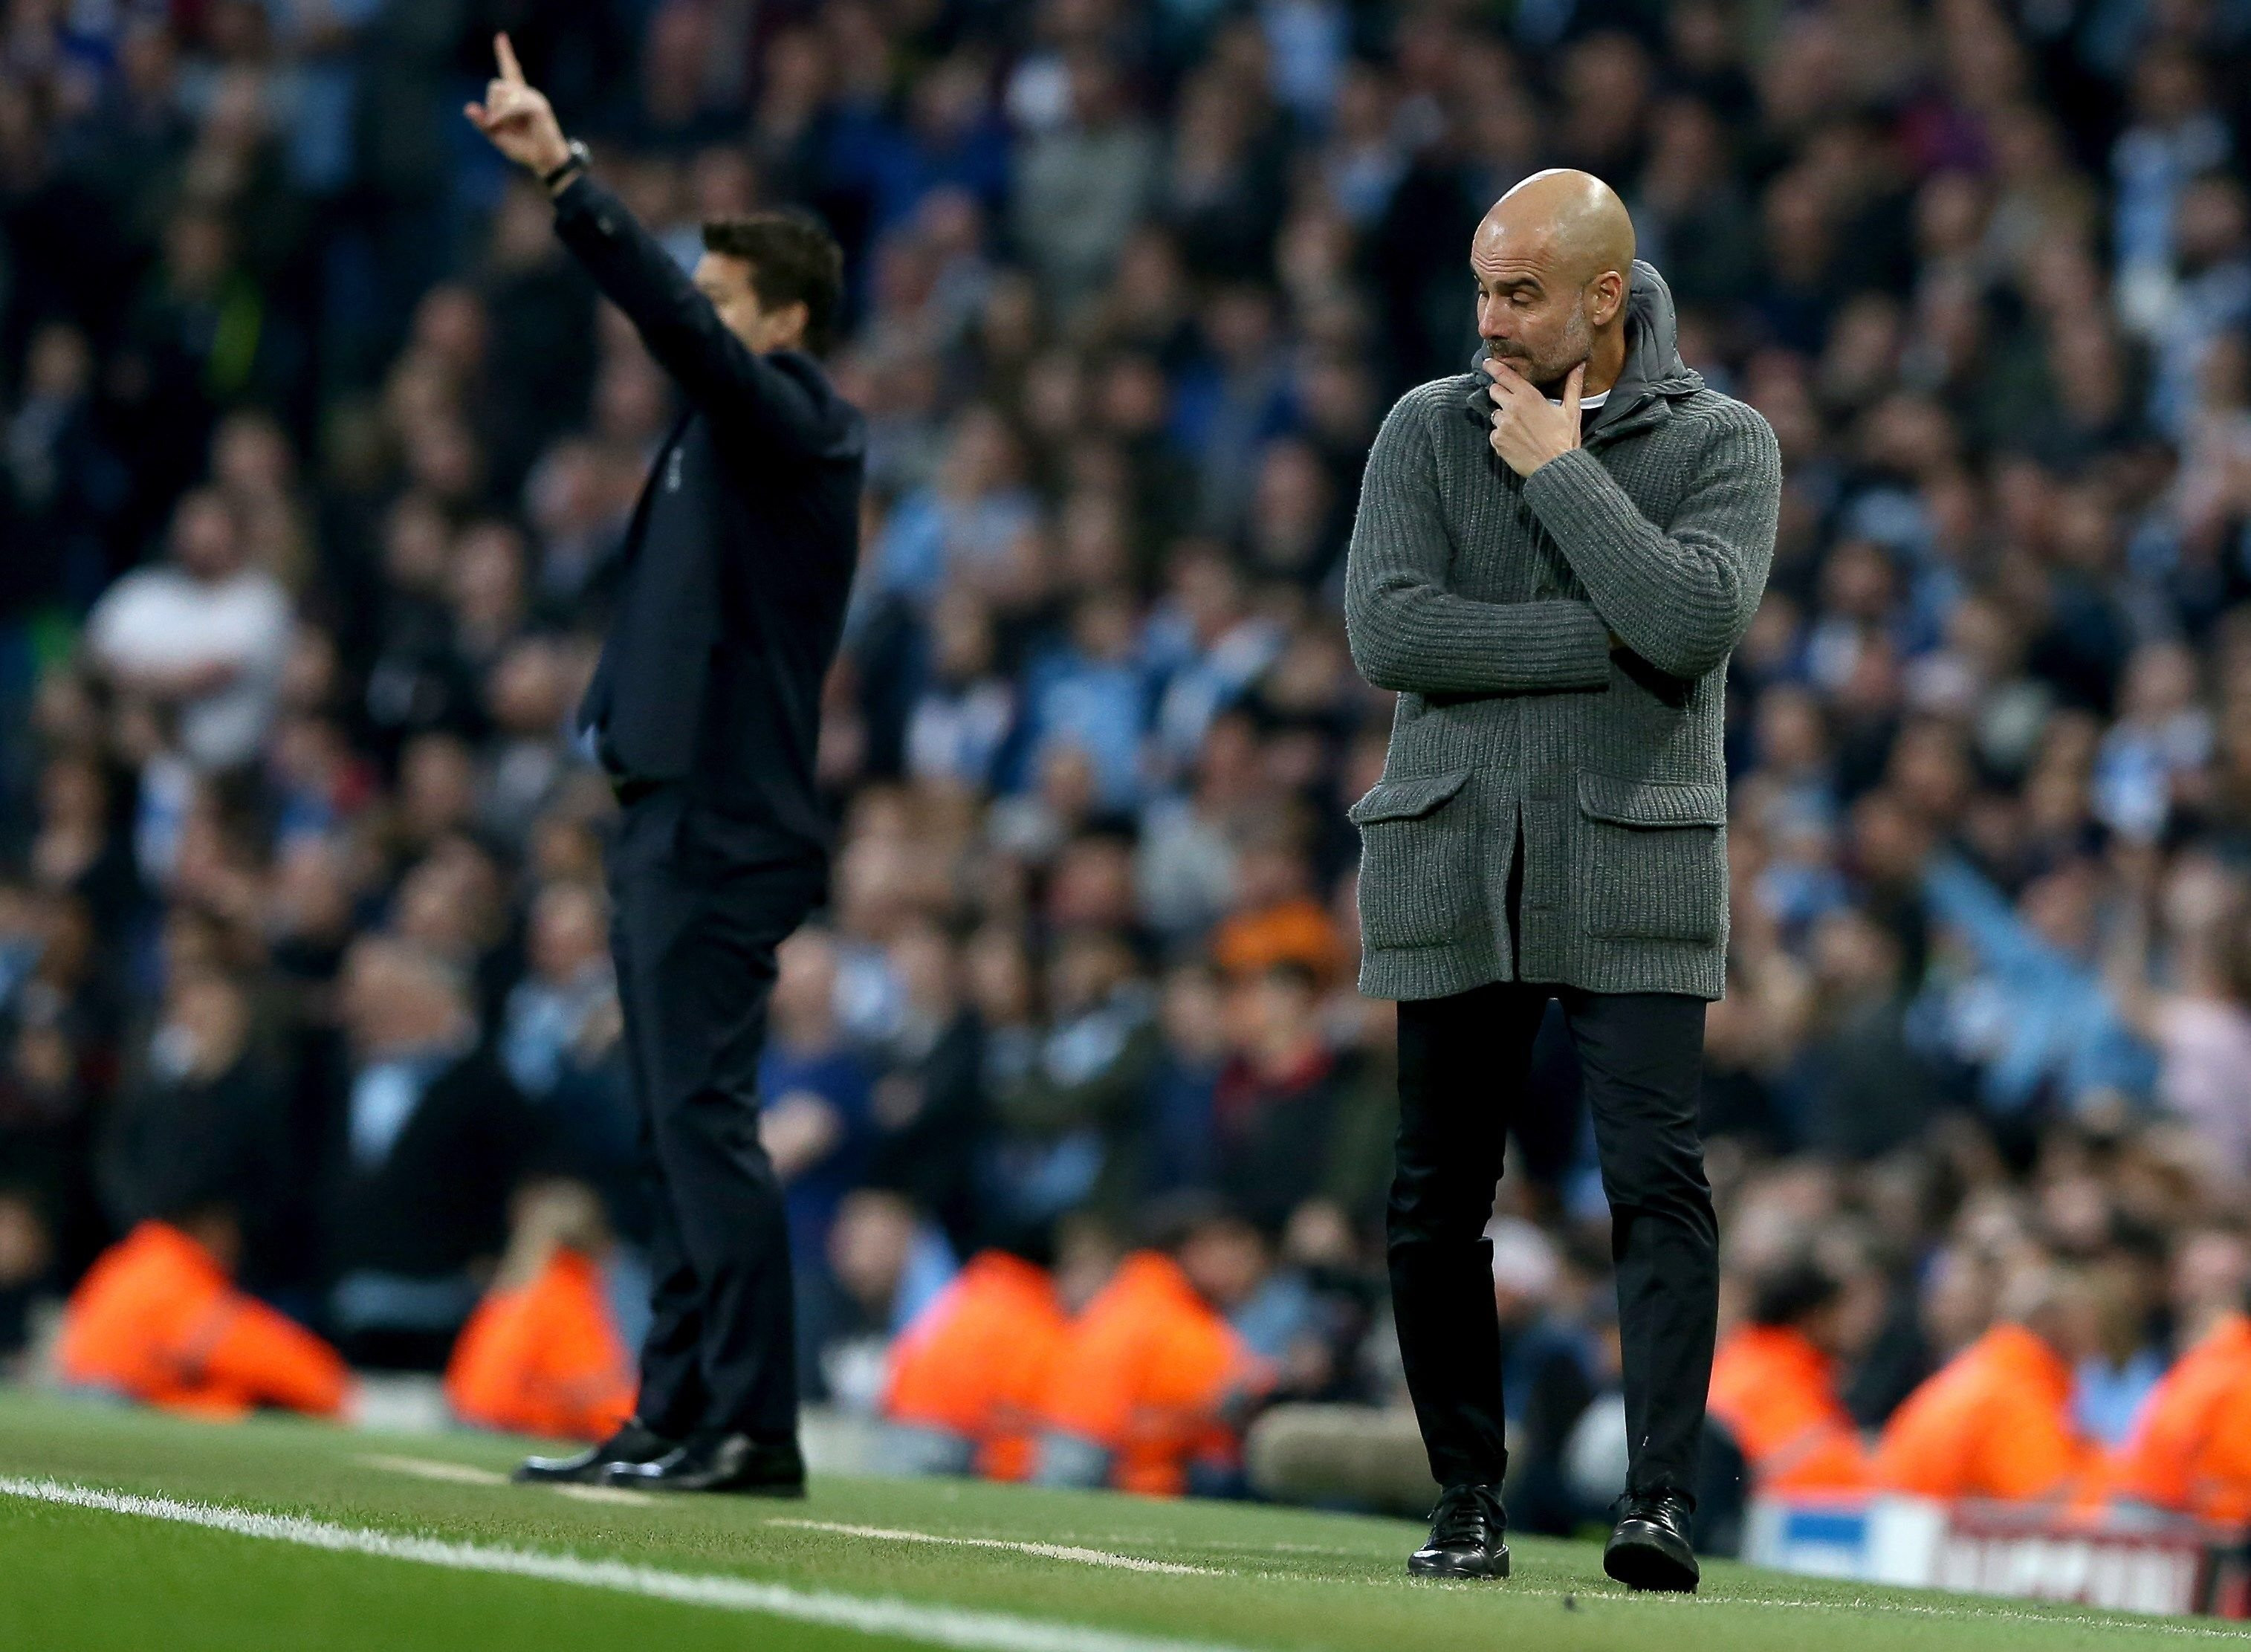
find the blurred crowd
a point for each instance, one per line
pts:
(313, 445)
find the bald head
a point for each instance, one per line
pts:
(1554, 262)
(1572, 220)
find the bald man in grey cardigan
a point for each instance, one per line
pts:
(1553, 556)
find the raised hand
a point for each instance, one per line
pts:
(516, 117)
(1528, 430)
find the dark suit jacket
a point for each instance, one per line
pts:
(740, 558)
(169, 1147)
(438, 1200)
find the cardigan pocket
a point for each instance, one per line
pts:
(1416, 888)
(1654, 863)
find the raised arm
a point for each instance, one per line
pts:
(1408, 631)
(1967, 902)
(1680, 596)
(782, 396)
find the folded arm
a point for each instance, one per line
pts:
(1408, 631)
(780, 396)
(1682, 596)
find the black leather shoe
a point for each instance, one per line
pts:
(711, 1462)
(1466, 1533)
(632, 1443)
(1649, 1547)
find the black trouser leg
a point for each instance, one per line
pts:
(1642, 1055)
(1462, 1067)
(696, 950)
(671, 1400)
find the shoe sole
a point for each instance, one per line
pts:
(1498, 1569)
(1643, 1565)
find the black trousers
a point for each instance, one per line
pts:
(1463, 1061)
(695, 922)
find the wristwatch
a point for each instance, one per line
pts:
(575, 157)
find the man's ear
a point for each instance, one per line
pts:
(781, 328)
(1608, 290)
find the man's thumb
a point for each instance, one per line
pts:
(1571, 389)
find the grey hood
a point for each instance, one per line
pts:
(1653, 367)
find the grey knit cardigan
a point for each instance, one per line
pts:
(1490, 600)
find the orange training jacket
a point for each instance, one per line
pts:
(2191, 1447)
(544, 1358)
(1995, 1421)
(1776, 1392)
(156, 1317)
(1145, 1373)
(976, 1361)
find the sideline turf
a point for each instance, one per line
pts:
(74, 1581)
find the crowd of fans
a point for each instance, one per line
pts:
(315, 444)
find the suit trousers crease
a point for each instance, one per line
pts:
(693, 937)
(1463, 1063)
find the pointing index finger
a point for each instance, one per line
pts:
(510, 69)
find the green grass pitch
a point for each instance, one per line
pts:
(418, 1543)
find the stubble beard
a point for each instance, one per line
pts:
(1548, 373)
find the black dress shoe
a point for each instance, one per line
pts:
(1466, 1533)
(1649, 1547)
(711, 1462)
(632, 1443)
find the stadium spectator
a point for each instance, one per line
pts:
(814, 1086)
(558, 1038)
(1274, 920)
(540, 1355)
(968, 1375)
(1067, 1131)
(204, 640)
(1147, 1391)
(1276, 1100)
(2186, 1449)
(929, 1105)
(1774, 1385)
(1995, 1421)
(552, 1021)
(158, 1318)
(202, 1122)
(430, 1138)
(70, 488)
(886, 1263)
(2200, 1025)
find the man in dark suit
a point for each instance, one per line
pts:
(704, 710)
(425, 1149)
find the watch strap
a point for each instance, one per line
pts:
(574, 157)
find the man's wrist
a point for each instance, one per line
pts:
(574, 160)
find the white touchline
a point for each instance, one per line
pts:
(965, 1628)
(1050, 1550)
